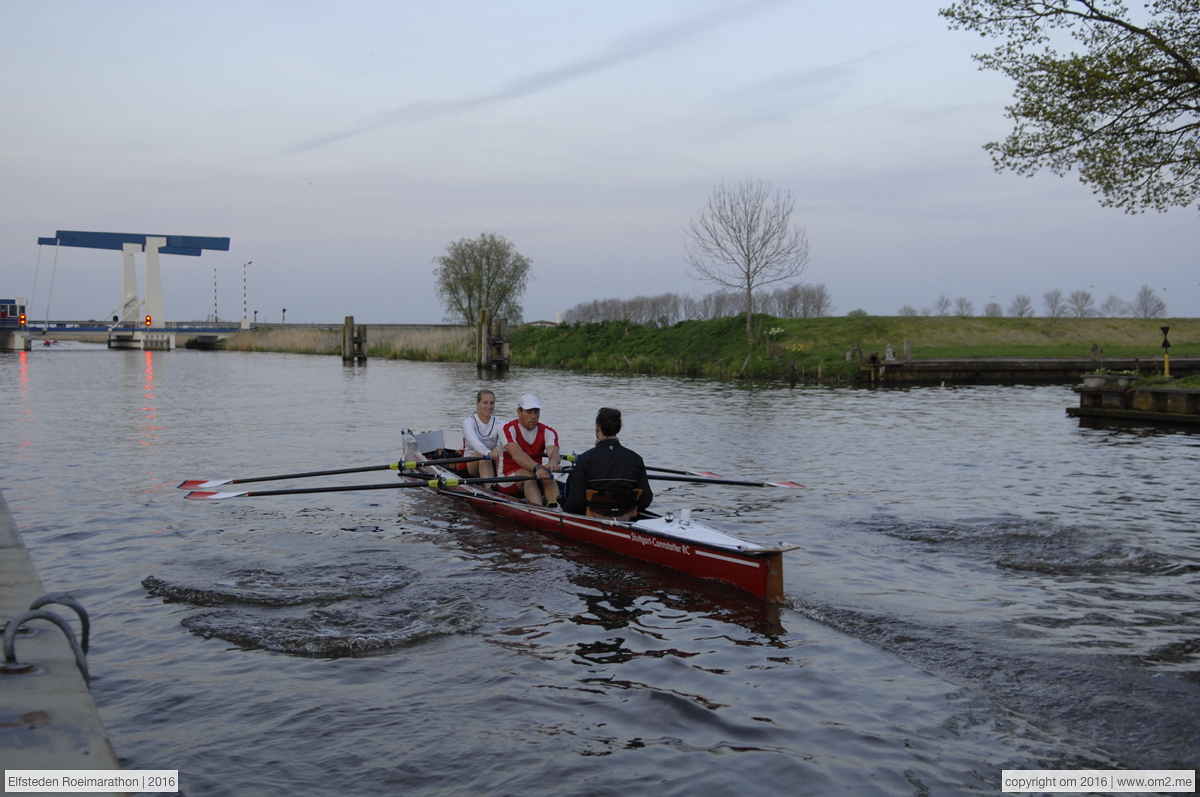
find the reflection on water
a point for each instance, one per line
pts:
(983, 583)
(23, 433)
(149, 428)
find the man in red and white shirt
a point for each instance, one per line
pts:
(527, 442)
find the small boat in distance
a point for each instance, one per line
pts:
(680, 543)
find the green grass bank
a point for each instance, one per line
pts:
(718, 349)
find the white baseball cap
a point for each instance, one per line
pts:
(529, 402)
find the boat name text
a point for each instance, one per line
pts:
(657, 542)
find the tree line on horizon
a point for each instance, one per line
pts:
(667, 309)
(1079, 304)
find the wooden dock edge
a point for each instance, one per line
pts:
(1132, 415)
(47, 717)
(1011, 370)
(1102, 398)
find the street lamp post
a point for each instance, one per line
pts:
(245, 320)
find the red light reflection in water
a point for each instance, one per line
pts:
(27, 441)
(150, 429)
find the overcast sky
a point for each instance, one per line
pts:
(342, 146)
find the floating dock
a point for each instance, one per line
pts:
(47, 717)
(1158, 404)
(1013, 370)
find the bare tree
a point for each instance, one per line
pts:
(1148, 305)
(1080, 304)
(963, 306)
(993, 310)
(908, 311)
(1021, 307)
(662, 310)
(942, 305)
(1114, 307)
(743, 239)
(1055, 306)
(788, 301)
(815, 301)
(689, 308)
(718, 304)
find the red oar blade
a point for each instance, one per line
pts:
(200, 484)
(202, 495)
(789, 485)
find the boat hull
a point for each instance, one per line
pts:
(759, 572)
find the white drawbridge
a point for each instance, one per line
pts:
(144, 315)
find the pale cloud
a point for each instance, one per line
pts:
(622, 50)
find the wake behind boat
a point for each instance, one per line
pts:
(681, 543)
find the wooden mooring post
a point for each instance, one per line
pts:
(354, 342)
(492, 342)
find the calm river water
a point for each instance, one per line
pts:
(983, 584)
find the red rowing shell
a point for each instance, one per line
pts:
(754, 568)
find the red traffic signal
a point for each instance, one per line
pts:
(147, 320)
(22, 319)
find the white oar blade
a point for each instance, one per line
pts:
(789, 485)
(201, 495)
(197, 484)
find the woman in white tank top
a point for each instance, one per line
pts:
(481, 436)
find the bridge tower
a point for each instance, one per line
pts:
(139, 323)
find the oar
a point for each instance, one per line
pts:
(437, 484)
(735, 482)
(198, 484)
(706, 473)
(788, 485)
(709, 474)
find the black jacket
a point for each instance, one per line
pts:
(607, 466)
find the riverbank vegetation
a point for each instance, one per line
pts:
(1158, 380)
(819, 346)
(432, 344)
(717, 348)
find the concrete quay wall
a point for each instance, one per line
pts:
(47, 717)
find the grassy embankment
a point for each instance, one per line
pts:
(718, 349)
(452, 344)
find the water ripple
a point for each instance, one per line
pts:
(336, 632)
(319, 584)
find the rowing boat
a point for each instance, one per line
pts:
(679, 543)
